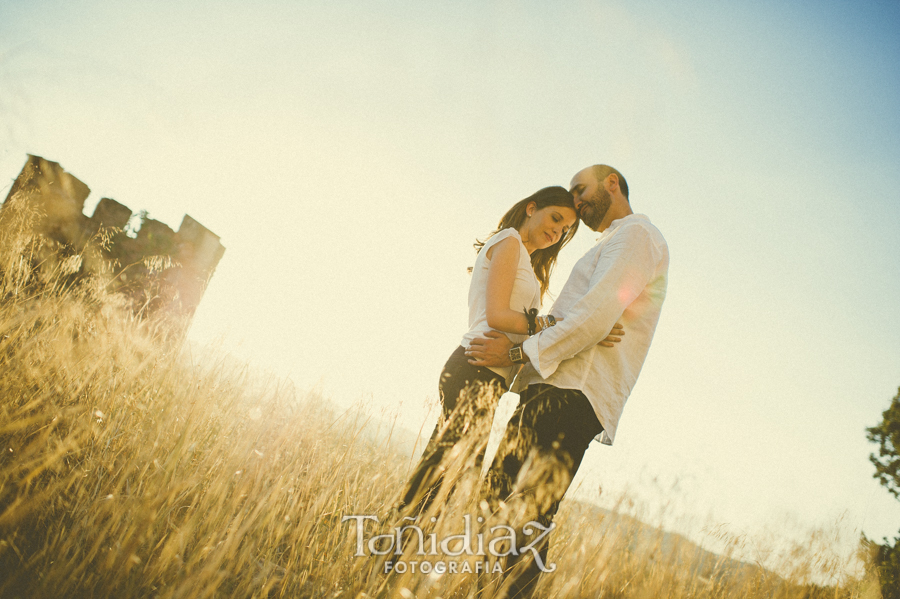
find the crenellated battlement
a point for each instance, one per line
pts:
(159, 270)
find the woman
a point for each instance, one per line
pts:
(510, 277)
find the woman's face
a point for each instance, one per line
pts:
(547, 226)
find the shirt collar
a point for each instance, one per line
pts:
(619, 221)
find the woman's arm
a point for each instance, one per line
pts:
(504, 257)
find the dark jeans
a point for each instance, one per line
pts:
(549, 431)
(469, 396)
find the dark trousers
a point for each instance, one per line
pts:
(469, 396)
(548, 435)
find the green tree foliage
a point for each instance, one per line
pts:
(888, 560)
(887, 436)
(887, 471)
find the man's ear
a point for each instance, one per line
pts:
(611, 183)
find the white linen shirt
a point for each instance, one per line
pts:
(621, 279)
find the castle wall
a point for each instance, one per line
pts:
(159, 270)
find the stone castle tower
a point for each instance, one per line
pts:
(160, 271)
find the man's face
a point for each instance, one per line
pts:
(592, 200)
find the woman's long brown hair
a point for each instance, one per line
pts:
(542, 261)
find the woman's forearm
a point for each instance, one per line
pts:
(508, 321)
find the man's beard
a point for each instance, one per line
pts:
(594, 210)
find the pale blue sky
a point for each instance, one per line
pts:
(349, 153)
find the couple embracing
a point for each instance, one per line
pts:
(573, 367)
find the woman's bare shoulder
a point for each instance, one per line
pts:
(507, 246)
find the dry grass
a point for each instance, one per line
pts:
(131, 469)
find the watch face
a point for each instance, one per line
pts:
(515, 354)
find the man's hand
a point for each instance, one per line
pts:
(493, 350)
(615, 335)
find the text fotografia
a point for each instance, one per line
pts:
(501, 541)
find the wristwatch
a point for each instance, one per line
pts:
(516, 355)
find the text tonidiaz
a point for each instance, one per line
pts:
(455, 545)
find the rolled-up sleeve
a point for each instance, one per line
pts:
(625, 265)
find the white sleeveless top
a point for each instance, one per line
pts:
(526, 293)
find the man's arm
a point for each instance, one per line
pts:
(628, 262)
(493, 350)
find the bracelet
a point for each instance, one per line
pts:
(546, 322)
(516, 355)
(531, 316)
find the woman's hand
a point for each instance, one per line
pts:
(615, 335)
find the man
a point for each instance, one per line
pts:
(572, 390)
